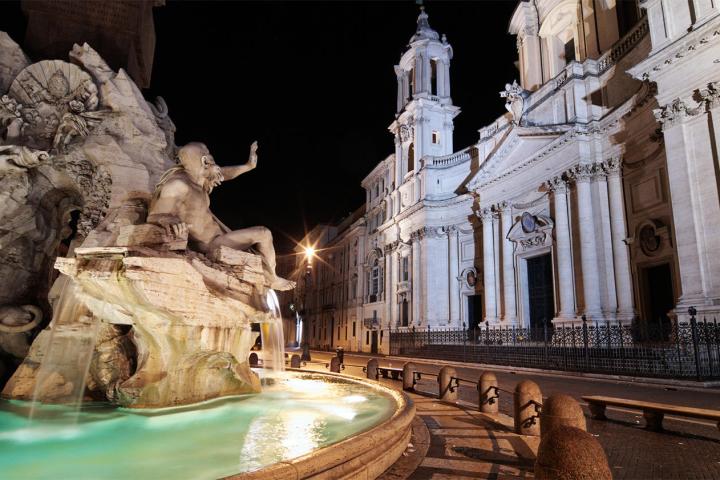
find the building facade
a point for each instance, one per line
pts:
(595, 195)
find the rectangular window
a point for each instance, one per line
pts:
(405, 269)
(346, 332)
(436, 137)
(338, 333)
(381, 336)
(570, 51)
(354, 335)
(367, 338)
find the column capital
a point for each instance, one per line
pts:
(583, 173)
(613, 166)
(503, 207)
(710, 95)
(677, 112)
(557, 184)
(487, 214)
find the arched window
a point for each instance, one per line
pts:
(375, 277)
(559, 32)
(433, 77)
(411, 84)
(411, 158)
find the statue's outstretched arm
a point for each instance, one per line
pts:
(231, 172)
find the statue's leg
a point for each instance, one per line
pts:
(261, 240)
(258, 238)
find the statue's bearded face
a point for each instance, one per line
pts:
(201, 166)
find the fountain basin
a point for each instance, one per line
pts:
(303, 426)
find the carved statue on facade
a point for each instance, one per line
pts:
(181, 204)
(514, 96)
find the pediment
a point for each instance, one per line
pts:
(517, 146)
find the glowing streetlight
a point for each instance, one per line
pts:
(309, 252)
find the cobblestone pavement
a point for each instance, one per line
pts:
(687, 449)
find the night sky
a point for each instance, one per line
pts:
(314, 84)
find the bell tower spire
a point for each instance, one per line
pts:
(425, 113)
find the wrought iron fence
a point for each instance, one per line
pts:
(662, 349)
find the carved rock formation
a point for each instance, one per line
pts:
(76, 140)
(174, 325)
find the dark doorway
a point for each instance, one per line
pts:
(374, 342)
(658, 300)
(541, 294)
(404, 313)
(474, 303)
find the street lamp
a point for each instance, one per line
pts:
(309, 254)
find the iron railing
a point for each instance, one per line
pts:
(686, 350)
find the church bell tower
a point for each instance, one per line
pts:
(423, 123)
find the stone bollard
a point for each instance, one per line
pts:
(571, 454)
(558, 410)
(335, 364)
(253, 359)
(372, 369)
(409, 370)
(295, 361)
(527, 397)
(487, 388)
(447, 386)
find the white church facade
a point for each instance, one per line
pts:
(595, 195)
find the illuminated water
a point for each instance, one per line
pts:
(273, 338)
(299, 413)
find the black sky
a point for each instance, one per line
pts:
(314, 84)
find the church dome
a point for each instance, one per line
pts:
(424, 31)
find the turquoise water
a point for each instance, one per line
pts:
(299, 413)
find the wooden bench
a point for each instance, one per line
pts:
(388, 371)
(653, 412)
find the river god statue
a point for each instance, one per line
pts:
(181, 204)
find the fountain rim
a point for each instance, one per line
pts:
(372, 451)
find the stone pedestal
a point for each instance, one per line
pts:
(189, 316)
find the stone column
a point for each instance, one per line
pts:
(446, 66)
(508, 264)
(444, 87)
(388, 285)
(531, 56)
(440, 78)
(691, 139)
(400, 89)
(621, 257)
(453, 273)
(605, 246)
(588, 246)
(491, 311)
(563, 249)
(415, 278)
(427, 74)
(419, 74)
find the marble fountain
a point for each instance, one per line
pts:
(142, 371)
